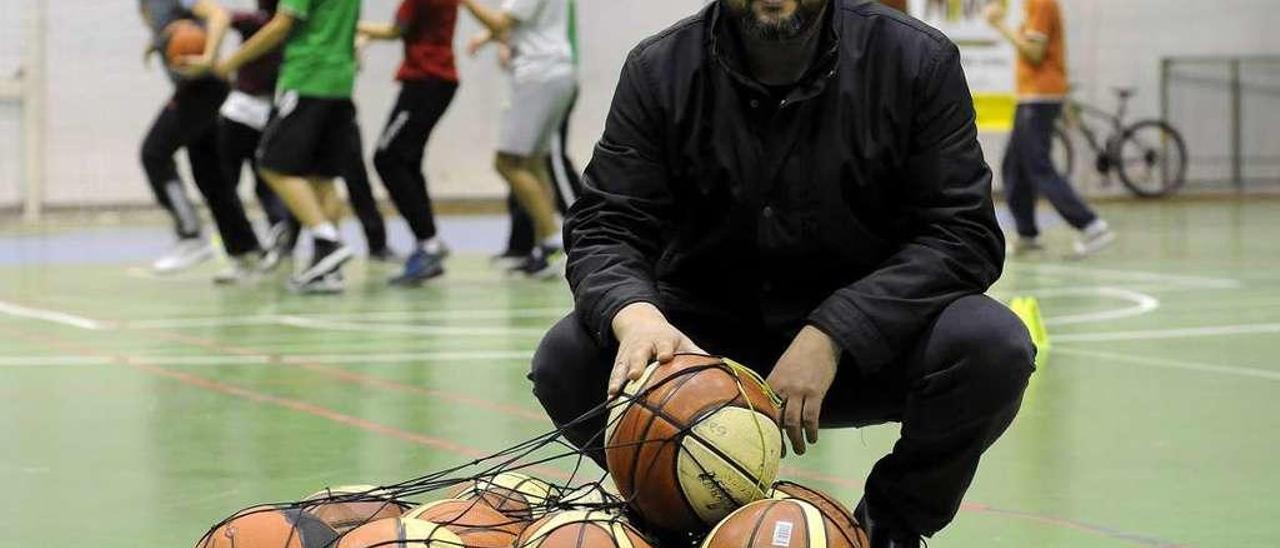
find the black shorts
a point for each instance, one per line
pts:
(307, 136)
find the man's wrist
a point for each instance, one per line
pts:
(634, 314)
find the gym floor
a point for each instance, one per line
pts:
(137, 411)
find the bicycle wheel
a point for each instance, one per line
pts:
(1062, 152)
(1151, 158)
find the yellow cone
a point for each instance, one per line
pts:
(1028, 310)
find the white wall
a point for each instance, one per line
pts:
(101, 100)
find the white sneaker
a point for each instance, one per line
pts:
(1023, 246)
(187, 253)
(1094, 238)
(240, 270)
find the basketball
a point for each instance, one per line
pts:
(781, 523)
(473, 521)
(267, 526)
(593, 496)
(401, 532)
(183, 37)
(698, 439)
(581, 529)
(830, 507)
(515, 495)
(350, 506)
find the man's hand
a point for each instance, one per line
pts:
(994, 13)
(802, 377)
(643, 334)
(478, 41)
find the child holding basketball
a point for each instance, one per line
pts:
(304, 143)
(188, 120)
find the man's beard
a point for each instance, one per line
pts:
(783, 28)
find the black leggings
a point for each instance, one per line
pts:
(402, 146)
(565, 179)
(189, 120)
(1028, 171)
(236, 145)
(360, 194)
(955, 390)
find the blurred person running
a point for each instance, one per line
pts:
(188, 120)
(311, 129)
(543, 83)
(428, 81)
(1028, 166)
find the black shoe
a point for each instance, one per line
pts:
(383, 255)
(880, 534)
(545, 262)
(327, 258)
(509, 260)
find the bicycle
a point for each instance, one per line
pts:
(1149, 156)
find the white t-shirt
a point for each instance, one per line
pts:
(540, 40)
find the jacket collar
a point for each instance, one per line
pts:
(722, 48)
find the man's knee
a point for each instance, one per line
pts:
(507, 163)
(565, 358)
(990, 346)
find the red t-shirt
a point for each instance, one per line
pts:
(427, 27)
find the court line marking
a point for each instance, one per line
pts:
(54, 316)
(1164, 363)
(271, 319)
(268, 358)
(458, 449)
(471, 331)
(1142, 275)
(1174, 333)
(1142, 304)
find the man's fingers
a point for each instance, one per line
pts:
(687, 345)
(638, 360)
(617, 377)
(812, 411)
(666, 350)
(792, 421)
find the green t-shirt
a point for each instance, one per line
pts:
(319, 58)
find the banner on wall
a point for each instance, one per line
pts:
(988, 59)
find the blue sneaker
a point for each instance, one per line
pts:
(420, 267)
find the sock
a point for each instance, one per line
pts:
(432, 245)
(553, 242)
(325, 231)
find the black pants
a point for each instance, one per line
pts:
(565, 179)
(402, 146)
(236, 145)
(360, 193)
(189, 120)
(1028, 170)
(954, 392)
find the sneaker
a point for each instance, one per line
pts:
(1025, 245)
(1094, 238)
(883, 537)
(509, 261)
(420, 267)
(544, 263)
(187, 253)
(328, 256)
(327, 284)
(280, 240)
(239, 270)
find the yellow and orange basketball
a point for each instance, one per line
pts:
(269, 526)
(350, 506)
(830, 507)
(400, 533)
(772, 523)
(697, 439)
(515, 495)
(476, 523)
(581, 529)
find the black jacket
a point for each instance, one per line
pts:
(859, 203)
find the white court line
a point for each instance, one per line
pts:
(273, 319)
(1142, 304)
(1177, 333)
(1175, 364)
(51, 316)
(1141, 275)
(315, 323)
(269, 359)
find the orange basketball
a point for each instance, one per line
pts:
(400, 533)
(345, 508)
(581, 529)
(183, 37)
(831, 508)
(473, 521)
(267, 526)
(770, 523)
(692, 440)
(515, 495)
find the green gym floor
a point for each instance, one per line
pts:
(136, 411)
